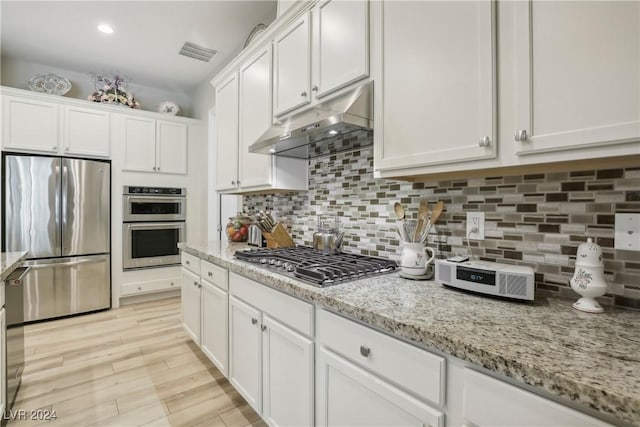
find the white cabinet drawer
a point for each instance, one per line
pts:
(407, 366)
(289, 310)
(150, 286)
(191, 262)
(214, 274)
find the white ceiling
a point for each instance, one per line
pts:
(146, 40)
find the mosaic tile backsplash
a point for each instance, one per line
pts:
(537, 220)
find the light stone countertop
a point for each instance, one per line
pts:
(9, 261)
(592, 360)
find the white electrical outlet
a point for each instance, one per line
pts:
(475, 225)
(627, 231)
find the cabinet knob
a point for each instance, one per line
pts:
(172, 283)
(154, 168)
(365, 351)
(484, 141)
(304, 94)
(210, 274)
(158, 168)
(55, 147)
(254, 320)
(233, 183)
(188, 262)
(66, 149)
(139, 288)
(195, 283)
(238, 182)
(199, 285)
(315, 88)
(521, 135)
(263, 327)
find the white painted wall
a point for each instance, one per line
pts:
(16, 73)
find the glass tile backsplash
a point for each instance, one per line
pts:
(537, 219)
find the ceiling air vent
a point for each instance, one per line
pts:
(194, 51)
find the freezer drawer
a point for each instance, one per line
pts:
(66, 286)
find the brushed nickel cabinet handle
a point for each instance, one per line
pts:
(521, 135)
(210, 274)
(263, 327)
(315, 88)
(304, 94)
(485, 141)
(365, 351)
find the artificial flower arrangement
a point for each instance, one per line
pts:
(113, 89)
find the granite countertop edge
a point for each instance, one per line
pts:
(9, 261)
(505, 361)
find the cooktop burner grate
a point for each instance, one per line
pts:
(315, 267)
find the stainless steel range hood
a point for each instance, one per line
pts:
(339, 124)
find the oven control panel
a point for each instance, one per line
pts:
(128, 189)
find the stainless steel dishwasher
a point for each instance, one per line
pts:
(14, 356)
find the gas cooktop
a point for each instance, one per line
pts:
(315, 267)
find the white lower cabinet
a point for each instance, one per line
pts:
(364, 378)
(348, 395)
(205, 308)
(287, 367)
(488, 401)
(271, 352)
(191, 304)
(213, 335)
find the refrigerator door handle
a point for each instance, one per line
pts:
(63, 204)
(77, 261)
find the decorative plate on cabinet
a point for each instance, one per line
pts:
(168, 107)
(49, 83)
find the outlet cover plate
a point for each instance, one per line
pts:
(627, 231)
(475, 219)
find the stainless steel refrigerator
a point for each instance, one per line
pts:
(58, 209)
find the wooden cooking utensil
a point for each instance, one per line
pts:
(423, 214)
(399, 210)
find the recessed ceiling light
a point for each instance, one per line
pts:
(272, 150)
(105, 28)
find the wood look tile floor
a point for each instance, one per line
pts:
(131, 366)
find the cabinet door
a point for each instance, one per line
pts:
(139, 144)
(255, 118)
(245, 352)
(436, 96)
(171, 147)
(347, 395)
(340, 44)
(214, 341)
(30, 125)
(287, 360)
(227, 134)
(577, 66)
(491, 402)
(292, 66)
(86, 132)
(191, 305)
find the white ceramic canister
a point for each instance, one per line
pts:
(588, 278)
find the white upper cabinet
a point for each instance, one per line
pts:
(292, 66)
(577, 68)
(154, 145)
(255, 118)
(243, 114)
(86, 131)
(32, 123)
(324, 50)
(171, 147)
(435, 83)
(340, 44)
(227, 133)
(139, 144)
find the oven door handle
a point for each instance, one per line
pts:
(177, 224)
(178, 199)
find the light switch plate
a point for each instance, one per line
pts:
(627, 231)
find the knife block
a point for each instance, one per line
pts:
(279, 237)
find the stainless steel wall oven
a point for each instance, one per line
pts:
(153, 224)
